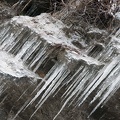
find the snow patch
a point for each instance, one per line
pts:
(12, 66)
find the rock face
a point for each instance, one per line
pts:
(12, 90)
(78, 75)
(6, 12)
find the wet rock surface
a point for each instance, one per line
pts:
(18, 90)
(11, 90)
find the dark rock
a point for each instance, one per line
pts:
(6, 12)
(3, 114)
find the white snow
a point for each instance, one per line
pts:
(14, 67)
(46, 26)
(77, 56)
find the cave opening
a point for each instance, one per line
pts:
(46, 66)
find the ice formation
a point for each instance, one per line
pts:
(40, 40)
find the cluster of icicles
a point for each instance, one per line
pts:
(34, 51)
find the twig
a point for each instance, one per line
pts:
(63, 3)
(26, 5)
(15, 4)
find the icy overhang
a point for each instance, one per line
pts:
(31, 38)
(46, 26)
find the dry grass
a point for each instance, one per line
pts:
(51, 6)
(99, 13)
(96, 12)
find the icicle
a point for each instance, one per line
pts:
(55, 83)
(82, 86)
(46, 77)
(103, 74)
(41, 60)
(9, 41)
(3, 34)
(61, 109)
(25, 47)
(39, 54)
(76, 82)
(76, 87)
(53, 86)
(6, 41)
(50, 79)
(31, 11)
(12, 41)
(107, 93)
(107, 82)
(20, 40)
(31, 50)
(54, 78)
